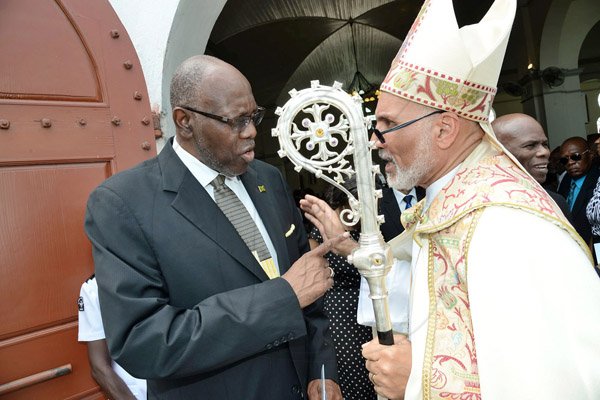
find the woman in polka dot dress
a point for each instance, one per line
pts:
(341, 303)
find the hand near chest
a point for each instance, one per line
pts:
(310, 276)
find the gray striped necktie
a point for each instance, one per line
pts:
(240, 218)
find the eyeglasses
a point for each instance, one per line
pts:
(379, 135)
(238, 124)
(573, 157)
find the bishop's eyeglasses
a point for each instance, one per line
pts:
(379, 134)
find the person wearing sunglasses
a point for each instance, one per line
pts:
(579, 182)
(503, 295)
(206, 282)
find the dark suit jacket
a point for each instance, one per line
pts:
(388, 206)
(580, 221)
(561, 202)
(185, 304)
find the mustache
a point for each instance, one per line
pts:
(250, 146)
(384, 155)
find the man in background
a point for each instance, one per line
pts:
(524, 137)
(578, 184)
(114, 381)
(393, 203)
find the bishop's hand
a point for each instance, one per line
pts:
(328, 223)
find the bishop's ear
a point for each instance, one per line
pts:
(447, 128)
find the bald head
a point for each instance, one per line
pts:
(511, 126)
(577, 141)
(215, 114)
(524, 137)
(194, 82)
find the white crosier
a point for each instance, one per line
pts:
(333, 151)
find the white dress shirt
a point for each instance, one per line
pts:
(397, 285)
(205, 175)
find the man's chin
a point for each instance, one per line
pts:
(394, 184)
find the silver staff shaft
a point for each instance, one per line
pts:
(321, 134)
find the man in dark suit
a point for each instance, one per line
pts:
(389, 207)
(578, 184)
(187, 301)
(524, 137)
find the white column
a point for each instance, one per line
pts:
(191, 29)
(566, 112)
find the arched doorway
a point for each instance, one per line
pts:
(73, 111)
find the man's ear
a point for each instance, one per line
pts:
(447, 128)
(182, 122)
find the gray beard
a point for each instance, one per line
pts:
(211, 161)
(404, 179)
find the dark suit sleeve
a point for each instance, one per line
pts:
(153, 339)
(320, 350)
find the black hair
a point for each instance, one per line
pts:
(336, 198)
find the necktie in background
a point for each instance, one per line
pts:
(571, 196)
(238, 215)
(408, 201)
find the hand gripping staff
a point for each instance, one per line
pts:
(319, 129)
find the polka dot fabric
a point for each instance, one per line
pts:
(341, 303)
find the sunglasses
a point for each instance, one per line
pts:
(573, 157)
(238, 124)
(379, 134)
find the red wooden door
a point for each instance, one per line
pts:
(73, 111)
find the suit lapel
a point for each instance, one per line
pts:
(391, 210)
(195, 204)
(565, 186)
(587, 188)
(266, 205)
(420, 193)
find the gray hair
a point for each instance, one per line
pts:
(188, 78)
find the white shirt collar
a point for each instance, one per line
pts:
(438, 185)
(203, 173)
(400, 196)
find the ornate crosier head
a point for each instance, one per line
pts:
(323, 130)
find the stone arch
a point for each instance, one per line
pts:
(567, 24)
(192, 25)
(565, 28)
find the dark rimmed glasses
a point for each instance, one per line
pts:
(238, 124)
(573, 157)
(379, 134)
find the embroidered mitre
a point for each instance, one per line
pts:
(453, 69)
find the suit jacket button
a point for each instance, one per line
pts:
(276, 343)
(269, 346)
(291, 336)
(295, 389)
